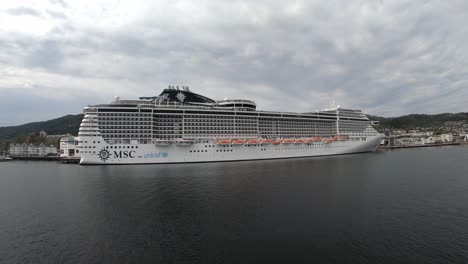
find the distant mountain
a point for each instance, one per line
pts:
(62, 125)
(417, 120)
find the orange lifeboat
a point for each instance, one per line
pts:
(309, 140)
(266, 141)
(277, 142)
(328, 140)
(317, 139)
(252, 142)
(287, 141)
(238, 142)
(223, 142)
(298, 141)
(343, 138)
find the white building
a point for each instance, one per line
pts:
(403, 141)
(446, 137)
(429, 140)
(31, 150)
(69, 147)
(18, 149)
(15, 149)
(419, 141)
(23, 149)
(51, 150)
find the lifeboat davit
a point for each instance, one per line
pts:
(266, 141)
(287, 141)
(223, 142)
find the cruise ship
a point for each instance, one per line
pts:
(180, 126)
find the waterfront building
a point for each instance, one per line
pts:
(418, 141)
(51, 151)
(182, 126)
(69, 147)
(14, 149)
(32, 150)
(23, 150)
(429, 140)
(406, 140)
(18, 149)
(446, 137)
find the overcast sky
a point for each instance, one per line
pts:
(387, 58)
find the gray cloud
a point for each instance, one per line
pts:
(388, 58)
(57, 15)
(22, 11)
(61, 3)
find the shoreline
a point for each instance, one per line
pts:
(421, 146)
(50, 158)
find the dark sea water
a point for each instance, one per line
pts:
(404, 206)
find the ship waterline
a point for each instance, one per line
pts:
(179, 126)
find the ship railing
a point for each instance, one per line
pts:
(228, 101)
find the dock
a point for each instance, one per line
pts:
(47, 158)
(70, 160)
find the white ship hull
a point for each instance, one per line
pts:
(207, 151)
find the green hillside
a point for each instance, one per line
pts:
(62, 125)
(415, 121)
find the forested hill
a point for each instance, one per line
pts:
(418, 121)
(62, 125)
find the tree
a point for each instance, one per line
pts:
(20, 139)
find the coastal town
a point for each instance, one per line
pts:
(66, 148)
(58, 147)
(449, 133)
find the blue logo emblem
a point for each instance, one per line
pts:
(155, 155)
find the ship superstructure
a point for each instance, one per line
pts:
(182, 126)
